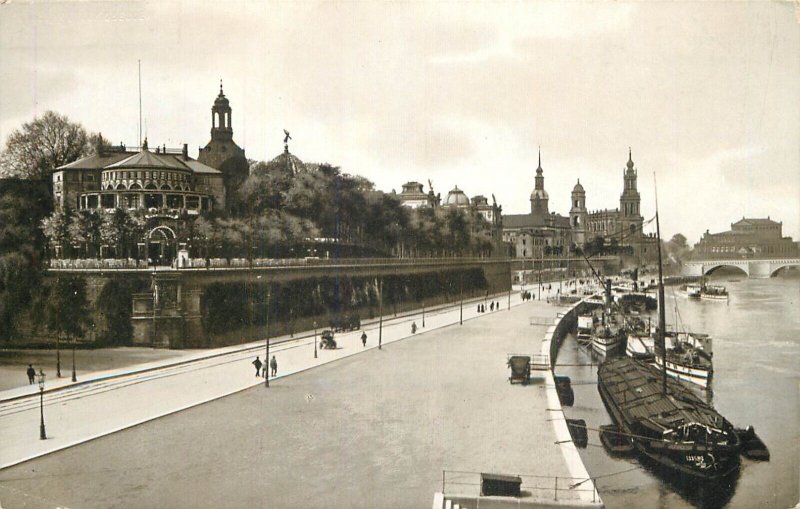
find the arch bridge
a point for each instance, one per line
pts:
(755, 268)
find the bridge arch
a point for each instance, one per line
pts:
(775, 269)
(711, 268)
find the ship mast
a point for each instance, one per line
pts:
(660, 336)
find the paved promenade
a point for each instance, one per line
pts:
(353, 415)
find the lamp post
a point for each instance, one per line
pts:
(266, 359)
(461, 299)
(74, 378)
(423, 313)
(42, 432)
(58, 355)
(315, 339)
(380, 312)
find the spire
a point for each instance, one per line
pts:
(540, 158)
(630, 159)
(220, 87)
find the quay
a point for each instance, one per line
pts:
(344, 434)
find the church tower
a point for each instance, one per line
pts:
(629, 215)
(578, 215)
(223, 154)
(539, 196)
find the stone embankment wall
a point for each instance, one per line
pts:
(204, 309)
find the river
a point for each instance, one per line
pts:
(756, 344)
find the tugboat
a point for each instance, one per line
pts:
(608, 334)
(665, 420)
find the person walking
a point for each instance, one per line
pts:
(31, 374)
(413, 327)
(273, 364)
(257, 364)
(364, 338)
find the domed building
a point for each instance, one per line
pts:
(456, 198)
(166, 181)
(288, 162)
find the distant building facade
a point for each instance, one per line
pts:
(543, 232)
(414, 197)
(747, 238)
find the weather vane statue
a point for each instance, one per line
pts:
(286, 139)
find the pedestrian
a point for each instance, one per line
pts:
(31, 374)
(413, 327)
(274, 365)
(257, 364)
(364, 338)
(479, 308)
(491, 306)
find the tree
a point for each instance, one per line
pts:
(679, 240)
(85, 230)
(43, 144)
(67, 310)
(56, 228)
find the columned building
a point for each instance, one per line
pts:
(747, 238)
(166, 180)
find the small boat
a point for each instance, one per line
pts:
(640, 346)
(691, 291)
(714, 292)
(614, 442)
(753, 448)
(584, 329)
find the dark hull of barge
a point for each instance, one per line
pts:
(646, 410)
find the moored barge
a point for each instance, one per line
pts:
(673, 427)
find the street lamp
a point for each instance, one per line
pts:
(423, 313)
(266, 359)
(461, 305)
(74, 378)
(315, 339)
(380, 312)
(42, 432)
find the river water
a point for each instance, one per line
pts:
(756, 344)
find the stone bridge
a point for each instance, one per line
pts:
(755, 268)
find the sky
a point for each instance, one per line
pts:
(706, 94)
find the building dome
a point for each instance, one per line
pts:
(457, 198)
(221, 100)
(539, 194)
(578, 187)
(290, 162)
